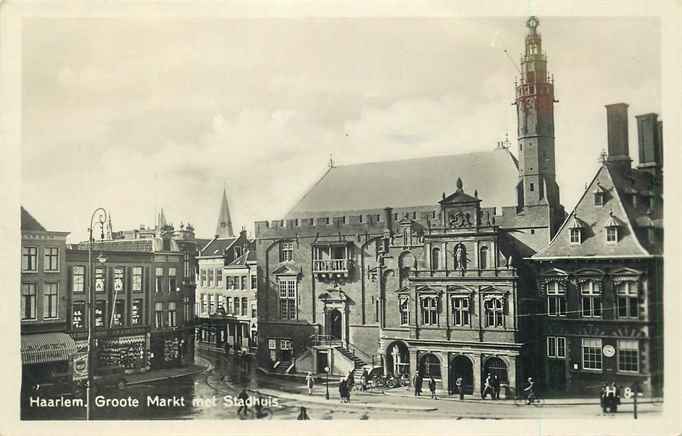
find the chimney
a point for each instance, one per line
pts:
(388, 218)
(617, 128)
(650, 150)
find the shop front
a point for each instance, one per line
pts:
(46, 359)
(131, 353)
(168, 350)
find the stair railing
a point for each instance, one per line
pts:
(356, 351)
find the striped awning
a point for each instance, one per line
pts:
(46, 347)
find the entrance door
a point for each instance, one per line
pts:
(495, 367)
(335, 324)
(461, 367)
(556, 372)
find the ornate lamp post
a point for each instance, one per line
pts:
(101, 219)
(326, 370)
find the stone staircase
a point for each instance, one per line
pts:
(282, 367)
(358, 362)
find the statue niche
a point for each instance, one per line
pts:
(460, 257)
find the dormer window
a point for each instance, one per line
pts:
(576, 231)
(611, 229)
(599, 195)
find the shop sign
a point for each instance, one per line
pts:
(80, 366)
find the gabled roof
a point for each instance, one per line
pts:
(594, 220)
(29, 223)
(217, 247)
(411, 183)
(286, 269)
(459, 197)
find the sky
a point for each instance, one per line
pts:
(138, 115)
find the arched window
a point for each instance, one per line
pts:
(483, 258)
(435, 259)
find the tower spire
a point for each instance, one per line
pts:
(224, 227)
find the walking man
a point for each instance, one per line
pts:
(460, 387)
(496, 387)
(487, 388)
(432, 388)
(310, 382)
(363, 379)
(417, 384)
(342, 389)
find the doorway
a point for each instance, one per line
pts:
(495, 367)
(335, 324)
(461, 366)
(556, 374)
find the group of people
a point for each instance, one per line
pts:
(418, 382)
(491, 386)
(609, 397)
(345, 384)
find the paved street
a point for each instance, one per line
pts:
(224, 379)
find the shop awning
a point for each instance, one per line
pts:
(46, 347)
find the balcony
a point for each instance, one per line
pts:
(331, 268)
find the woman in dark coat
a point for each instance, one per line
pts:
(343, 389)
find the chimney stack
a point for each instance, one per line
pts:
(617, 129)
(650, 150)
(388, 218)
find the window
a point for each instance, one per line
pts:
(435, 258)
(235, 307)
(159, 280)
(29, 259)
(28, 301)
(628, 300)
(285, 344)
(158, 315)
(237, 251)
(118, 279)
(211, 304)
(171, 314)
(78, 315)
(532, 187)
(483, 258)
(228, 307)
(210, 278)
(202, 278)
(556, 299)
(430, 366)
(187, 307)
(254, 282)
(592, 354)
(78, 279)
(253, 310)
(287, 298)
(493, 312)
(50, 300)
(221, 303)
(599, 199)
(172, 280)
(628, 355)
(204, 303)
(137, 312)
(186, 268)
(591, 299)
(286, 251)
(429, 311)
(245, 305)
(100, 311)
(119, 313)
(99, 279)
(576, 236)
(51, 263)
(137, 279)
(404, 310)
(556, 347)
(460, 311)
(243, 282)
(612, 234)
(219, 278)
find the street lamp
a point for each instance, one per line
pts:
(326, 395)
(101, 219)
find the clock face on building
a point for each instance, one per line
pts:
(609, 351)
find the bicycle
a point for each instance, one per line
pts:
(531, 399)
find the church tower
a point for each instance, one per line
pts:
(535, 117)
(224, 227)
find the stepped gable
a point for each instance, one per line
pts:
(411, 183)
(617, 186)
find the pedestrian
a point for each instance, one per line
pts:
(363, 379)
(350, 380)
(310, 382)
(417, 384)
(602, 398)
(432, 388)
(303, 414)
(531, 390)
(342, 389)
(496, 387)
(460, 387)
(487, 387)
(244, 403)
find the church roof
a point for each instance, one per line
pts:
(617, 211)
(217, 247)
(412, 183)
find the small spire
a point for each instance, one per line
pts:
(224, 227)
(603, 156)
(331, 160)
(476, 193)
(460, 185)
